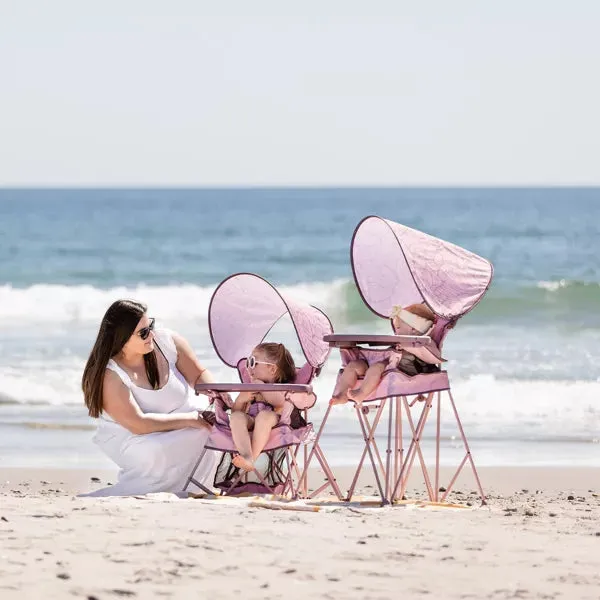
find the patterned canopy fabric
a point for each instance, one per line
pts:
(245, 307)
(397, 265)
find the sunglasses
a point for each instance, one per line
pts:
(144, 332)
(251, 362)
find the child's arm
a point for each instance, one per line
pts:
(275, 399)
(242, 401)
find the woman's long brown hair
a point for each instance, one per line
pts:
(116, 328)
(280, 355)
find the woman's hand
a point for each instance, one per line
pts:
(209, 416)
(200, 423)
(226, 398)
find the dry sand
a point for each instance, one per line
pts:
(539, 537)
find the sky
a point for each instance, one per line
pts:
(327, 92)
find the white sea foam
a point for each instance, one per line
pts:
(507, 409)
(81, 303)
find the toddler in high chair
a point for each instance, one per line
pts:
(416, 319)
(260, 412)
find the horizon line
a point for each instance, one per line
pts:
(295, 186)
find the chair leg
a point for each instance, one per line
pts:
(388, 458)
(234, 483)
(191, 479)
(369, 437)
(290, 477)
(366, 439)
(417, 447)
(371, 429)
(317, 453)
(399, 445)
(468, 457)
(330, 477)
(437, 446)
(294, 465)
(414, 449)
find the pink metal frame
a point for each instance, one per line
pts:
(392, 472)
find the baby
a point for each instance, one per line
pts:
(416, 319)
(260, 412)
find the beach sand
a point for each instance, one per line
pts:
(539, 537)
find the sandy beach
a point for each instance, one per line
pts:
(539, 537)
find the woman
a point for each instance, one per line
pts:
(136, 383)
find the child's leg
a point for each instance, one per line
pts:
(352, 371)
(369, 383)
(239, 423)
(263, 424)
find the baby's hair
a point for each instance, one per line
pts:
(421, 311)
(280, 355)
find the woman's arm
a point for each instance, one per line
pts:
(191, 368)
(118, 402)
(188, 364)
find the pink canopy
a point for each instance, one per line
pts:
(245, 307)
(393, 264)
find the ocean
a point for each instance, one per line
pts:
(523, 364)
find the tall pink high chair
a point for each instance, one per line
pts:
(242, 311)
(395, 265)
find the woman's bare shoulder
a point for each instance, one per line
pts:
(179, 341)
(183, 347)
(113, 382)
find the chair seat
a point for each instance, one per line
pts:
(395, 383)
(281, 437)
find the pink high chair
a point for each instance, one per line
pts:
(242, 311)
(395, 265)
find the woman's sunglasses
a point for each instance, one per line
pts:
(251, 362)
(144, 332)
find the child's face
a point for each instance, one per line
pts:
(264, 368)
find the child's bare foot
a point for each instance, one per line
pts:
(358, 395)
(243, 462)
(339, 398)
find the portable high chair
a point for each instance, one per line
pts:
(242, 311)
(395, 265)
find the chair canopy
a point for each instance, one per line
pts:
(396, 265)
(245, 307)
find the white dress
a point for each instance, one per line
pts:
(159, 461)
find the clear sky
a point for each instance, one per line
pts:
(325, 92)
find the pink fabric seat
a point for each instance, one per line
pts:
(282, 437)
(394, 384)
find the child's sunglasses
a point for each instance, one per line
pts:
(251, 362)
(144, 332)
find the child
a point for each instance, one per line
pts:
(416, 319)
(260, 412)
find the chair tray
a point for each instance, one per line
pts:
(338, 340)
(202, 388)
